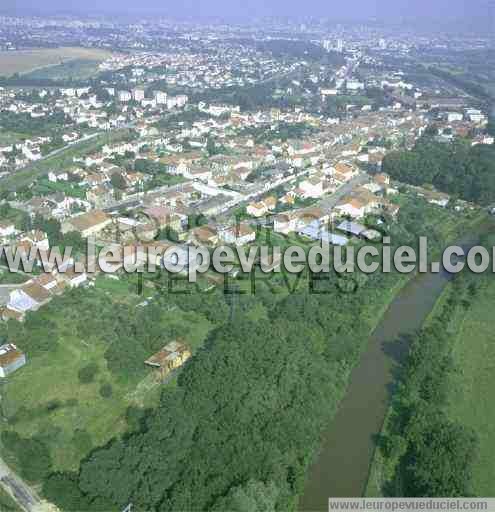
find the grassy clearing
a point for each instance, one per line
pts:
(471, 388)
(54, 378)
(47, 399)
(45, 187)
(26, 61)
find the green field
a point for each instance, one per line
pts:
(27, 61)
(46, 398)
(45, 187)
(77, 69)
(471, 387)
(54, 377)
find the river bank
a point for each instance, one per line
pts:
(342, 466)
(470, 385)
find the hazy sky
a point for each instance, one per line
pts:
(357, 9)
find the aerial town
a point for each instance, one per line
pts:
(183, 135)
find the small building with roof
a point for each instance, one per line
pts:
(11, 359)
(170, 357)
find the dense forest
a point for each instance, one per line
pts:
(294, 49)
(304, 50)
(456, 168)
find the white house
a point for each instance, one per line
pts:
(353, 208)
(57, 176)
(238, 235)
(7, 229)
(256, 209)
(28, 298)
(312, 187)
(74, 279)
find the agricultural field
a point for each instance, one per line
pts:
(28, 61)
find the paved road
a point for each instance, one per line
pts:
(24, 496)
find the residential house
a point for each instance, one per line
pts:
(352, 207)
(285, 223)
(292, 221)
(163, 217)
(307, 216)
(257, 209)
(74, 279)
(300, 148)
(437, 198)
(382, 179)
(11, 359)
(100, 196)
(344, 172)
(169, 358)
(87, 224)
(359, 203)
(314, 187)
(30, 297)
(262, 207)
(204, 235)
(238, 235)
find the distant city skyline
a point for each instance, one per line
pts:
(351, 10)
